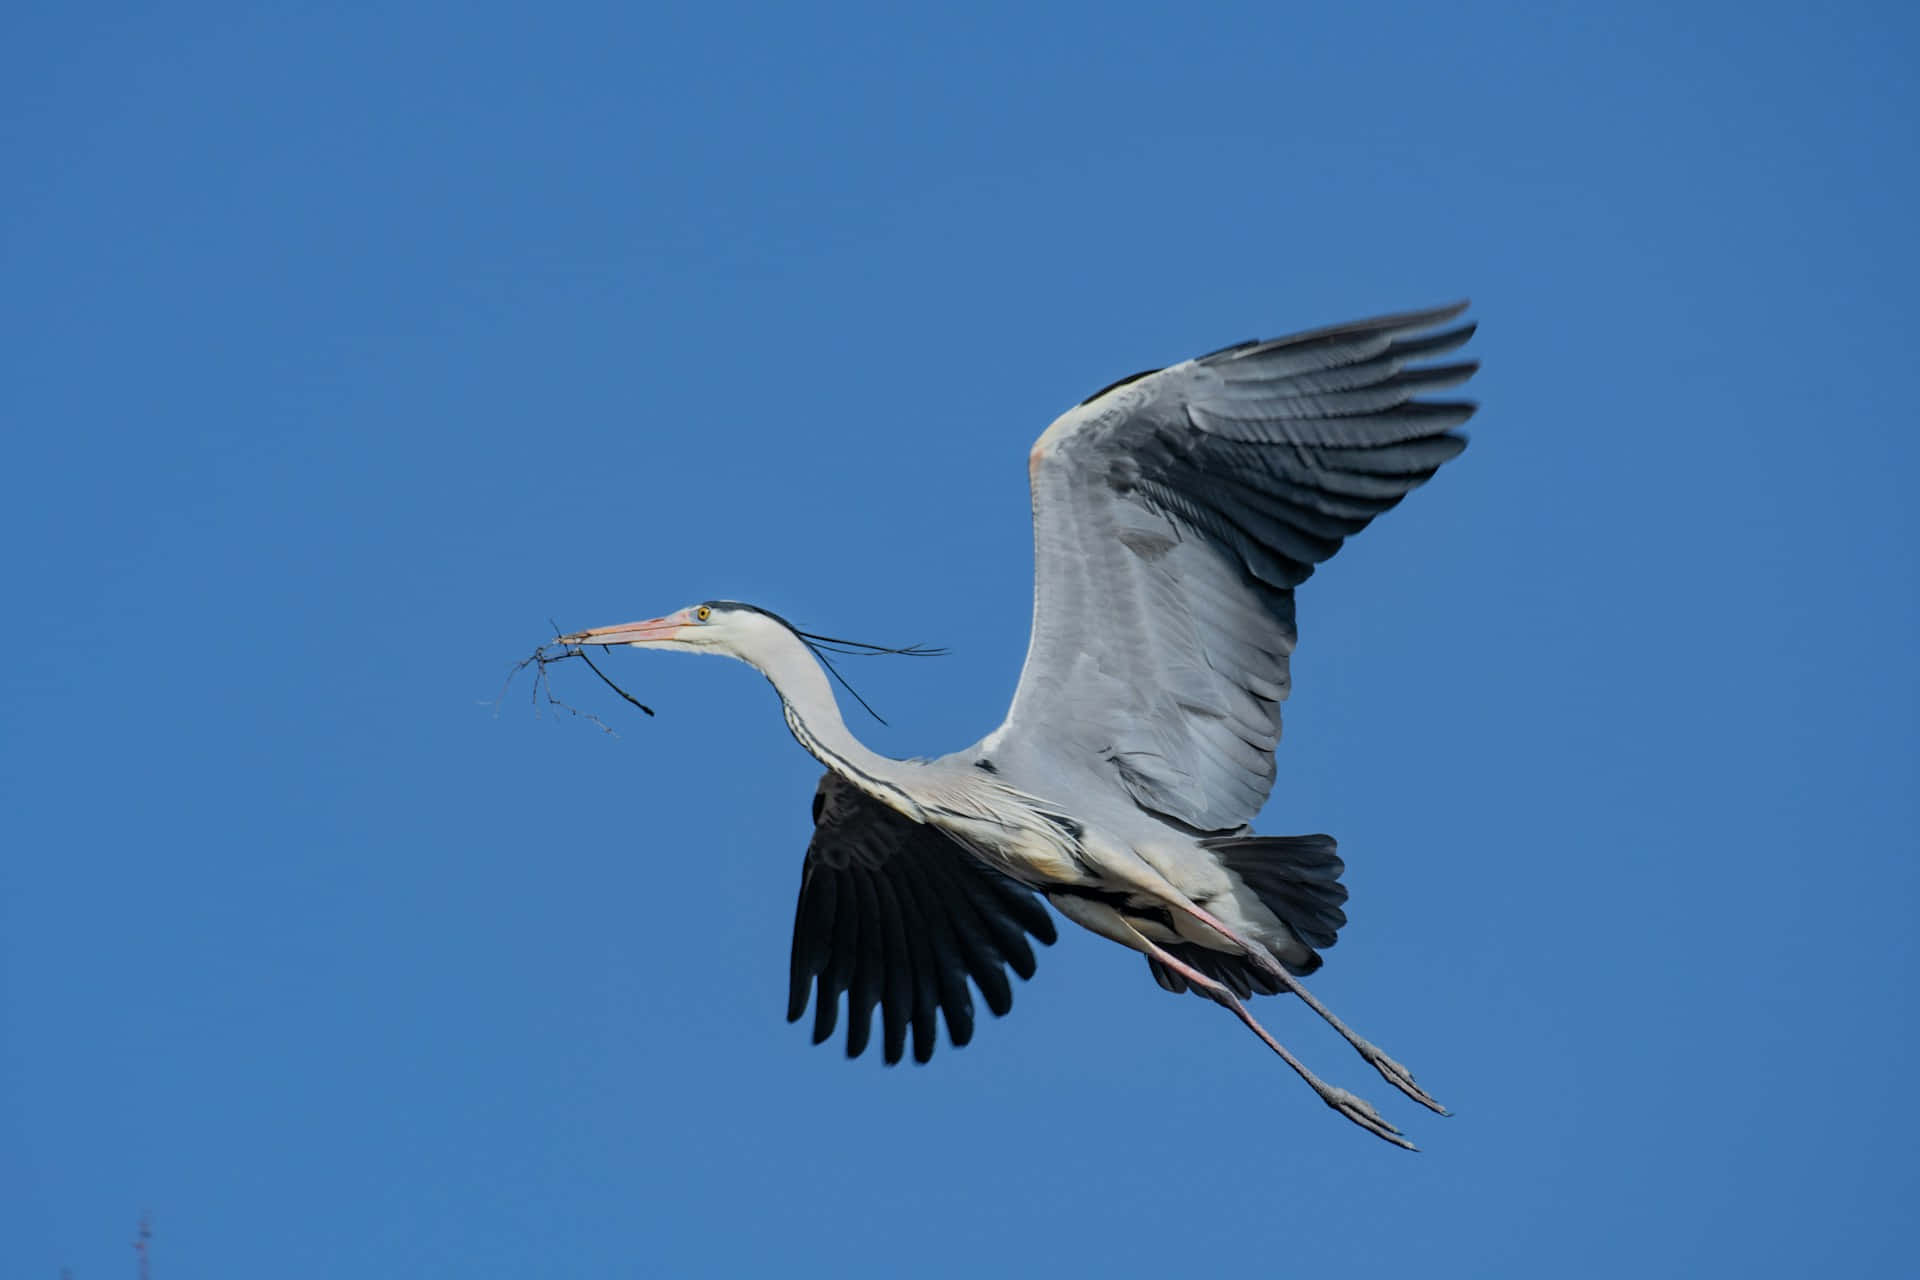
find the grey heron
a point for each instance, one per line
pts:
(1174, 513)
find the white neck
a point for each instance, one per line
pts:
(813, 715)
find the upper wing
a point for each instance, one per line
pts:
(895, 913)
(1174, 513)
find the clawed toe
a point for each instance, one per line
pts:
(1361, 1112)
(1402, 1079)
(1353, 1108)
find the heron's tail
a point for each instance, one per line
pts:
(1295, 877)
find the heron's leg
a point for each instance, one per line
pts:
(1108, 923)
(1143, 876)
(1353, 1108)
(1395, 1074)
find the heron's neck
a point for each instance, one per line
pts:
(813, 714)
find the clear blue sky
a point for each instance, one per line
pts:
(341, 352)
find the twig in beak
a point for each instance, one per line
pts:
(582, 655)
(540, 659)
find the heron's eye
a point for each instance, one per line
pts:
(703, 613)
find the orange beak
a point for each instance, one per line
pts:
(631, 632)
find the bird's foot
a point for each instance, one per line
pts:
(1361, 1112)
(1399, 1077)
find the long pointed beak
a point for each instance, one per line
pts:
(629, 632)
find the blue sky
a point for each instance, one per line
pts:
(343, 349)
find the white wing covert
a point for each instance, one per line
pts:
(1175, 512)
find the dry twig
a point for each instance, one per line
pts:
(545, 656)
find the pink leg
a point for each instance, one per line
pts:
(1353, 1108)
(1395, 1074)
(1108, 923)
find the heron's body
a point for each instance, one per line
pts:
(1174, 514)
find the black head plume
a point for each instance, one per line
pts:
(824, 647)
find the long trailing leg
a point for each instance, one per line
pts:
(1107, 922)
(1137, 872)
(1394, 1074)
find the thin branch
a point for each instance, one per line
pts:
(545, 656)
(582, 655)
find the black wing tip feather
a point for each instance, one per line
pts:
(1395, 322)
(1435, 344)
(1116, 384)
(1315, 428)
(902, 933)
(1402, 322)
(1232, 348)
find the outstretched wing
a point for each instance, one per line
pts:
(895, 914)
(1173, 515)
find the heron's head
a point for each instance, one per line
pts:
(718, 626)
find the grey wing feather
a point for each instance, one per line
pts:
(1174, 515)
(894, 914)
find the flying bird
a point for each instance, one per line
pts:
(1174, 514)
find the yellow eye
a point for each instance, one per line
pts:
(703, 613)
